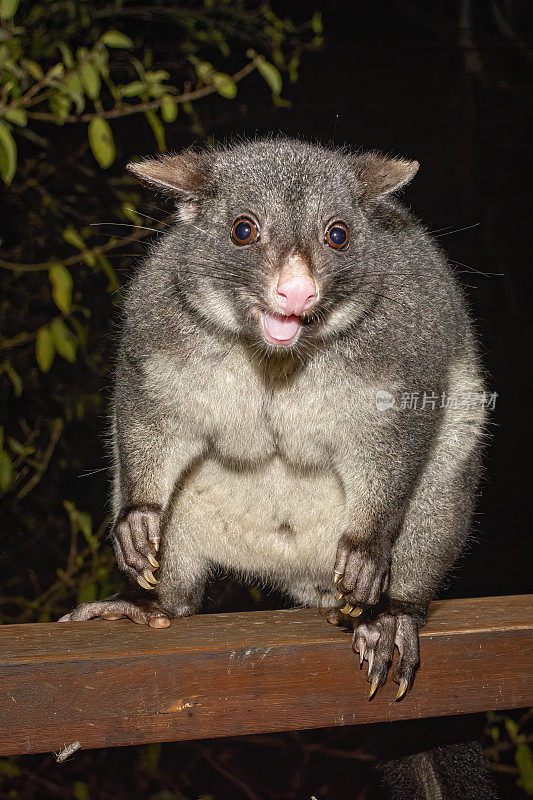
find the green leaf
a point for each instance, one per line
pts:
(112, 280)
(169, 108)
(8, 155)
(71, 235)
(512, 728)
(55, 72)
(225, 85)
(61, 281)
(6, 471)
(9, 768)
(89, 257)
(116, 39)
(34, 69)
(81, 790)
(204, 69)
(524, 762)
(44, 348)
(316, 23)
(64, 340)
(90, 78)
(14, 377)
(101, 60)
(68, 58)
(157, 129)
(74, 87)
(133, 89)
(59, 106)
(101, 141)
(81, 521)
(130, 213)
(150, 755)
(156, 76)
(270, 74)
(8, 8)
(86, 591)
(17, 116)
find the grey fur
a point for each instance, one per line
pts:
(275, 464)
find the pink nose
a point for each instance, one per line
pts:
(295, 295)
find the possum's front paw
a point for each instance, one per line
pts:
(142, 612)
(136, 539)
(375, 641)
(361, 575)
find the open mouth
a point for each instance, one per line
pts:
(279, 329)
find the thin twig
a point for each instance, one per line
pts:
(124, 111)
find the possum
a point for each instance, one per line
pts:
(298, 396)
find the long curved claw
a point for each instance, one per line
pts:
(373, 688)
(404, 685)
(142, 582)
(336, 577)
(153, 562)
(347, 609)
(356, 611)
(148, 576)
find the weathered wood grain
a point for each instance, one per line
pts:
(116, 683)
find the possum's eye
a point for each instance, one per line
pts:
(244, 231)
(337, 235)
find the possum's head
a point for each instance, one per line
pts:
(273, 240)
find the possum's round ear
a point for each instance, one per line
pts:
(184, 175)
(379, 175)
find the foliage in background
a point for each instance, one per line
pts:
(510, 751)
(85, 86)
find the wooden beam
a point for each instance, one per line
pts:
(116, 683)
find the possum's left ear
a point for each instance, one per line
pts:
(184, 175)
(379, 175)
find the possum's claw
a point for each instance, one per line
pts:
(402, 690)
(375, 641)
(373, 688)
(144, 613)
(136, 539)
(350, 610)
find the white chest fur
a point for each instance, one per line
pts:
(266, 497)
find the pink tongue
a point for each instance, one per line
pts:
(281, 328)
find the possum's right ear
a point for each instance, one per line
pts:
(184, 175)
(379, 175)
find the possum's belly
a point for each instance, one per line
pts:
(271, 521)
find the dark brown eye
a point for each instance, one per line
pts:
(337, 235)
(244, 231)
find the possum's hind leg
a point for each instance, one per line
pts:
(178, 592)
(138, 609)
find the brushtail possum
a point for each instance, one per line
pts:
(271, 412)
